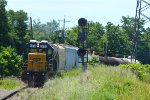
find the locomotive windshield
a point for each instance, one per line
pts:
(42, 51)
(33, 50)
(38, 47)
(43, 48)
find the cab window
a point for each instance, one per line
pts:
(42, 50)
(33, 50)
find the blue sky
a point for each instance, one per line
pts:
(93, 10)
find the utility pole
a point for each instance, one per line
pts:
(141, 8)
(31, 27)
(63, 30)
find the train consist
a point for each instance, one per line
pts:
(43, 59)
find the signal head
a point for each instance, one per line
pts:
(81, 37)
(81, 52)
(82, 22)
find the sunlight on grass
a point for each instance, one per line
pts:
(10, 83)
(97, 83)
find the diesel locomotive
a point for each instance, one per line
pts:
(39, 62)
(43, 59)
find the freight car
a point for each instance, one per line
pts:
(113, 61)
(43, 59)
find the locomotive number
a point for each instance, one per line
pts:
(32, 45)
(43, 46)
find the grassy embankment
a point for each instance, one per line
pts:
(98, 83)
(10, 83)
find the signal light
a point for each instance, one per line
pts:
(81, 37)
(81, 52)
(82, 22)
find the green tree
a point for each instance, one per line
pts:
(128, 26)
(51, 30)
(18, 34)
(48, 31)
(3, 24)
(37, 30)
(9, 62)
(96, 31)
(118, 42)
(143, 47)
(71, 37)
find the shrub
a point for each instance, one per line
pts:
(94, 60)
(9, 62)
(142, 71)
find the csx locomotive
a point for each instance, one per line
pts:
(43, 59)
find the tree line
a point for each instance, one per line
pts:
(115, 40)
(111, 40)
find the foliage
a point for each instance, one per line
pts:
(9, 62)
(128, 26)
(94, 60)
(97, 83)
(46, 31)
(114, 40)
(18, 29)
(118, 42)
(142, 71)
(72, 35)
(96, 31)
(143, 48)
(143, 52)
(3, 24)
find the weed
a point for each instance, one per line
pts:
(98, 83)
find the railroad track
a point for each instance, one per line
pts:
(7, 96)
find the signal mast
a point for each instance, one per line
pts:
(82, 36)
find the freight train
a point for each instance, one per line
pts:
(43, 59)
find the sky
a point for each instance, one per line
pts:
(93, 10)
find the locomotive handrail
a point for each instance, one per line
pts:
(50, 63)
(26, 62)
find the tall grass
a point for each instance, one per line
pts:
(97, 83)
(10, 83)
(141, 71)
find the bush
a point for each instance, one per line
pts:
(9, 62)
(94, 60)
(142, 71)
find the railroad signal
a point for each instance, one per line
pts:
(81, 37)
(81, 52)
(82, 32)
(82, 22)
